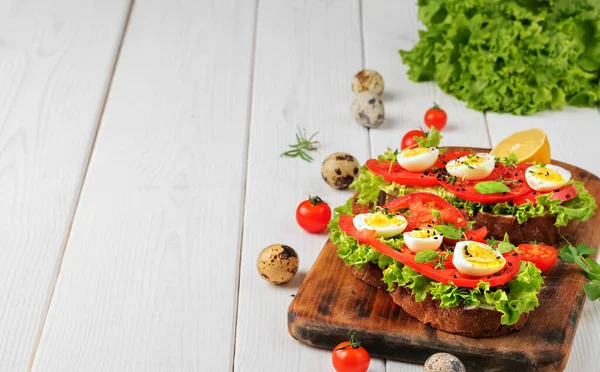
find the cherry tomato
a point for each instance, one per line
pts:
(542, 256)
(349, 356)
(408, 139)
(313, 214)
(436, 117)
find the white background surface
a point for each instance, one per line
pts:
(140, 173)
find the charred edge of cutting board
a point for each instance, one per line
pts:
(381, 346)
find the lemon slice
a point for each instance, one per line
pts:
(530, 145)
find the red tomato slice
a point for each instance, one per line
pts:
(568, 192)
(517, 185)
(401, 176)
(477, 235)
(542, 256)
(421, 203)
(450, 274)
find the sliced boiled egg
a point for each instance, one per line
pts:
(423, 239)
(385, 225)
(418, 159)
(547, 177)
(477, 259)
(472, 167)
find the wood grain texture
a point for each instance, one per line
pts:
(306, 55)
(573, 135)
(56, 61)
(331, 300)
(390, 26)
(149, 281)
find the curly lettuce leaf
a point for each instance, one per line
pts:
(520, 298)
(515, 56)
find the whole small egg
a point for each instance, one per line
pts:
(443, 362)
(418, 159)
(277, 263)
(367, 80)
(547, 177)
(472, 167)
(367, 109)
(423, 239)
(477, 259)
(339, 170)
(385, 225)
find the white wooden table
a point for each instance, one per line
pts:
(140, 173)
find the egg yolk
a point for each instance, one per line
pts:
(415, 152)
(470, 161)
(481, 256)
(382, 220)
(422, 234)
(545, 174)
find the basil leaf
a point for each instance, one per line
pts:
(491, 187)
(449, 231)
(592, 289)
(568, 253)
(426, 256)
(583, 249)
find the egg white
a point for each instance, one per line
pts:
(360, 223)
(477, 265)
(417, 244)
(465, 168)
(541, 183)
(418, 162)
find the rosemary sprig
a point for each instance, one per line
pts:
(302, 145)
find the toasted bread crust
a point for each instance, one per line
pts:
(476, 322)
(370, 274)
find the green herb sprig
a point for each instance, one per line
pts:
(302, 146)
(569, 254)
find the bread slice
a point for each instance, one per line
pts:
(475, 322)
(370, 274)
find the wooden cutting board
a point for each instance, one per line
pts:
(331, 301)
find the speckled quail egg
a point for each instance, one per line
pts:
(367, 80)
(277, 263)
(367, 109)
(443, 362)
(339, 170)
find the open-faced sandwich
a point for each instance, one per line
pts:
(530, 201)
(438, 232)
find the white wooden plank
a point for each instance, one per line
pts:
(56, 61)
(149, 277)
(389, 26)
(573, 135)
(306, 55)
